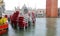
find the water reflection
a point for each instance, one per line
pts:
(58, 27)
(43, 27)
(40, 29)
(51, 26)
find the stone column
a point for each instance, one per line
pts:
(51, 8)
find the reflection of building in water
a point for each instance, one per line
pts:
(1, 8)
(51, 26)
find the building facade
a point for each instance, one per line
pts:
(2, 9)
(40, 12)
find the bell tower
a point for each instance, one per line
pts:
(51, 8)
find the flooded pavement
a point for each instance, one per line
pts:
(43, 27)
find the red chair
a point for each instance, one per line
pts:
(14, 18)
(6, 16)
(11, 19)
(33, 17)
(21, 22)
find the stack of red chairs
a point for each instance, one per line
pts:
(11, 19)
(21, 22)
(14, 18)
(6, 16)
(33, 17)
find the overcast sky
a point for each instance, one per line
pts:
(10, 4)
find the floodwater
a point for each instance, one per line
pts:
(43, 27)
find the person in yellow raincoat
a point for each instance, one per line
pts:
(3, 20)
